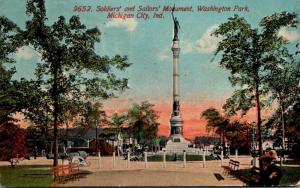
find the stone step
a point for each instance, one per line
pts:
(177, 145)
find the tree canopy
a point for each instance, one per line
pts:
(142, 120)
(234, 132)
(248, 53)
(70, 71)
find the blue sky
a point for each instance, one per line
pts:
(147, 43)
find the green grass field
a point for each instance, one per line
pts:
(291, 175)
(25, 176)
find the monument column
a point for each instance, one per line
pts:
(176, 142)
(176, 120)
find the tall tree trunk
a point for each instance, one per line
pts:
(257, 102)
(282, 123)
(55, 113)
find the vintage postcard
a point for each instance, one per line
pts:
(149, 93)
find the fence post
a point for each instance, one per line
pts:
(114, 160)
(222, 157)
(164, 159)
(128, 160)
(254, 161)
(146, 159)
(184, 159)
(99, 159)
(203, 157)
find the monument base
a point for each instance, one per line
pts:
(177, 144)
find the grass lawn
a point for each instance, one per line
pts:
(291, 175)
(25, 176)
(159, 158)
(290, 162)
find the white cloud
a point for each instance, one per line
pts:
(205, 44)
(165, 54)
(130, 24)
(188, 48)
(289, 35)
(25, 53)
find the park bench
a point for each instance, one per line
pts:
(253, 179)
(232, 168)
(65, 172)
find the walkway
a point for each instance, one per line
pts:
(155, 175)
(137, 175)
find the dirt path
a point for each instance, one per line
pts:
(154, 175)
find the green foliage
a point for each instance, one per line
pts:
(70, 71)
(68, 61)
(142, 121)
(163, 141)
(248, 53)
(92, 115)
(12, 96)
(283, 80)
(118, 120)
(235, 132)
(215, 121)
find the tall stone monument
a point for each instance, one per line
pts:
(176, 142)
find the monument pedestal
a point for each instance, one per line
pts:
(177, 144)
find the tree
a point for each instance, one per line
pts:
(92, 115)
(142, 120)
(293, 127)
(283, 83)
(163, 141)
(69, 70)
(118, 120)
(216, 123)
(236, 132)
(247, 54)
(12, 142)
(12, 93)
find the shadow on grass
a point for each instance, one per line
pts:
(80, 175)
(29, 176)
(159, 158)
(25, 176)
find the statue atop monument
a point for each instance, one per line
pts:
(176, 26)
